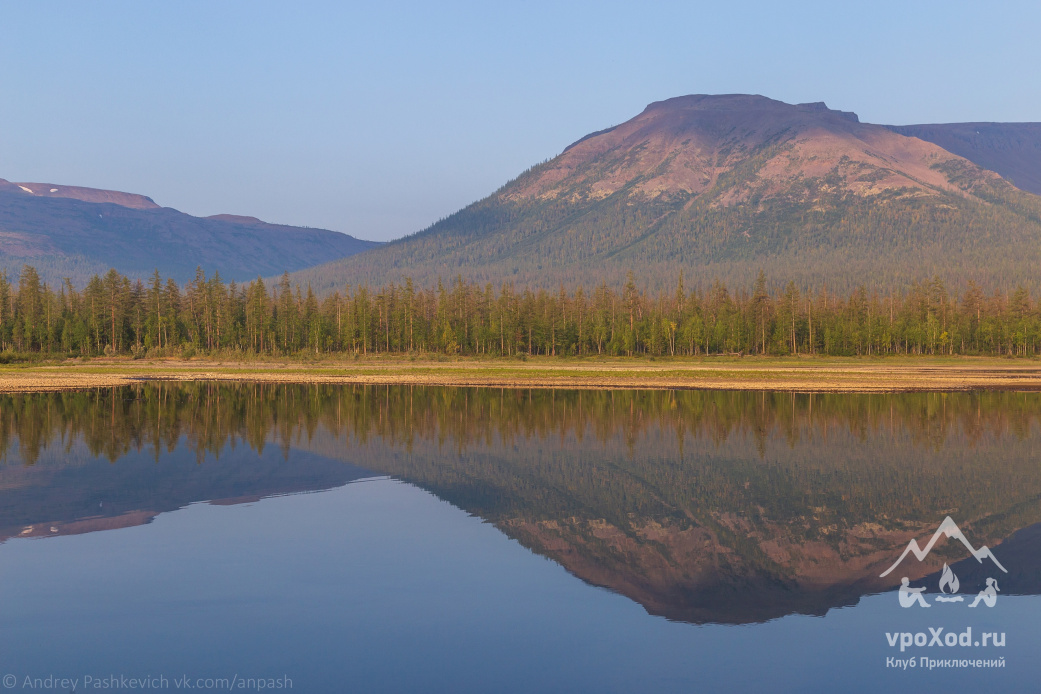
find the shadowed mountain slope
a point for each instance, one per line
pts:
(1010, 149)
(77, 232)
(719, 187)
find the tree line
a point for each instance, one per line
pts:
(115, 315)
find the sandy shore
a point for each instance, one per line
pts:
(806, 375)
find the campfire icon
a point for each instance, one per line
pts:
(949, 586)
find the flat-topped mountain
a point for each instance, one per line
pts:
(719, 187)
(695, 147)
(75, 232)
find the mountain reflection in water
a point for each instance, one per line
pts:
(702, 506)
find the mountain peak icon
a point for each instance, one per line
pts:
(950, 529)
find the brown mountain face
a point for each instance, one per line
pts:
(1011, 149)
(53, 190)
(685, 147)
(721, 187)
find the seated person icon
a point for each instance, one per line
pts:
(988, 595)
(909, 596)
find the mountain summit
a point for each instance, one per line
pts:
(686, 147)
(721, 187)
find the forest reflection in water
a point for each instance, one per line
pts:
(703, 506)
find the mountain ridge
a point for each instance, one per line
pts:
(75, 232)
(84, 194)
(721, 187)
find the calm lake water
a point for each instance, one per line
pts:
(396, 539)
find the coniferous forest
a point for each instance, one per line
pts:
(114, 315)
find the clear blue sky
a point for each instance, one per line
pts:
(378, 118)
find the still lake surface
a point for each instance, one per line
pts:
(403, 539)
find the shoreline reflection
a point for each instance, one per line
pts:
(702, 506)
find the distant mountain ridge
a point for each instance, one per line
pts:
(719, 187)
(75, 232)
(53, 190)
(1010, 149)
